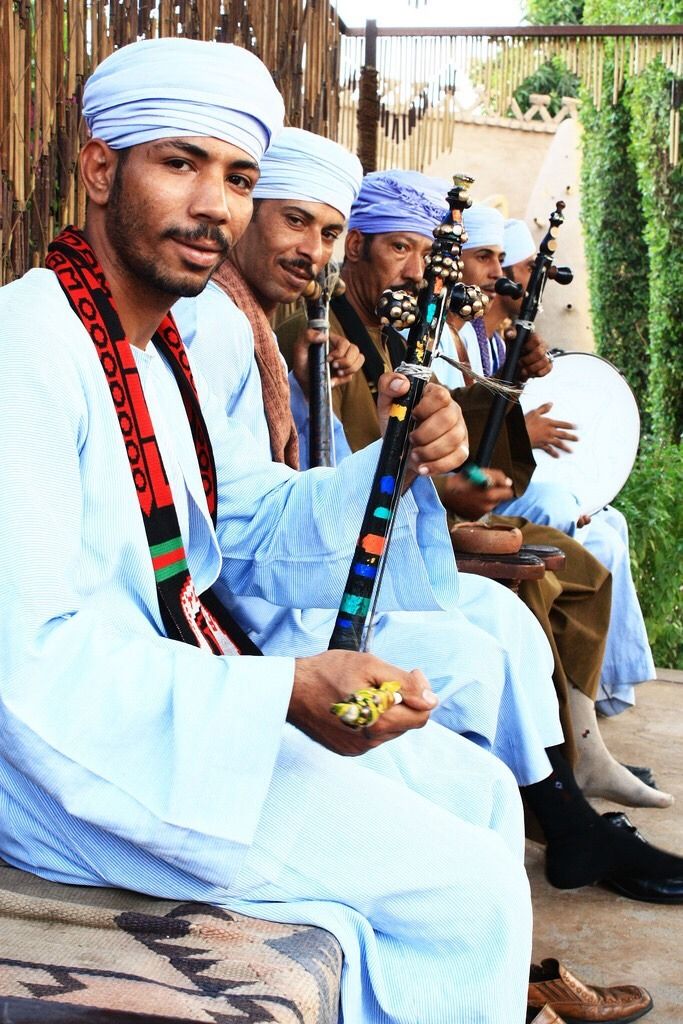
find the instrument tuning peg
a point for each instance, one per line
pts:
(563, 275)
(511, 289)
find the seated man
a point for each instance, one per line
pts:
(628, 658)
(598, 772)
(144, 743)
(303, 197)
(493, 688)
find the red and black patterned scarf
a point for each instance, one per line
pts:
(204, 623)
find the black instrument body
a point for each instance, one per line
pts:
(321, 436)
(441, 276)
(524, 326)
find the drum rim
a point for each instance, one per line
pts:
(557, 354)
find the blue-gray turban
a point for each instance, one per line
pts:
(301, 165)
(399, 201)
(166, 88)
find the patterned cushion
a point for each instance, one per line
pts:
(106, 949)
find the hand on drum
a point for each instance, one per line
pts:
(470, 501)
(329, 678)
(439, 439)
(552, 436)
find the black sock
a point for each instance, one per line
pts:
(583, 847)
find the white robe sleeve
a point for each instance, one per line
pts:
(159, 742)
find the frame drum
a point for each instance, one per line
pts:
(591, 393)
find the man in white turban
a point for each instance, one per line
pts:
(547, 506)
(145, 743)
(628, 658)
(399, 211)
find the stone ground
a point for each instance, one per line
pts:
(605, 938)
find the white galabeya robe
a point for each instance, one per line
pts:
(484, 654)
(132, 760)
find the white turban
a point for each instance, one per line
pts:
(165, 88)
(519, 244)
(484, 227)
(301, 165)
(399, 201)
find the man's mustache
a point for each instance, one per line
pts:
(201, 233)
(301, 264)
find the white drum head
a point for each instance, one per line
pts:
(589, 392)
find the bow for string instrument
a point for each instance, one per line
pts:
(318, 294)
(523, 327)
(443, 274)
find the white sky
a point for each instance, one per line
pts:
(445, 13)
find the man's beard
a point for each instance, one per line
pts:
(122, 222)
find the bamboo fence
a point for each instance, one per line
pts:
(391, 98)
(417, 71)
(49, 47)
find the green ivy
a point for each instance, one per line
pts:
(554, 12)
(652, 506)
(616, 253)
(661, 188)
(629, 144)
(632, 210)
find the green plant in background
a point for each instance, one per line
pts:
(616, 251)
(661, 188)
(632, 210)
(651, 502)
(555, 12)
(630, 189)
(551, 79)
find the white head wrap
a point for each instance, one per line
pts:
(484, 227)
(519, 244)
(301, 165)
(399, 201)
(165, 88)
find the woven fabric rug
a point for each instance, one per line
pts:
(112, 950)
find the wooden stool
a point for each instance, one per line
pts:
(553, 558)
(510, 570)
(530, 563)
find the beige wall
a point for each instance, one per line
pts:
(501, 160)
(530, 171)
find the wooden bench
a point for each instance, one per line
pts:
(80, 955)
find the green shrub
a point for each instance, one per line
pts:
(651, 502)
(551, 79)
(616, 252)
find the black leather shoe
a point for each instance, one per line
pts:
(644, 774)
(636, 887)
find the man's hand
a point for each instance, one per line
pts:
(329, 678)
(469, 501)
(534, 360)
(345, 358)
(549, 435)
(439, 439)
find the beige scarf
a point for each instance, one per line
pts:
(284, 443)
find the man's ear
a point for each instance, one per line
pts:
(98, 167)
(353, 245)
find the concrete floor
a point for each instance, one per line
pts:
(605, 938)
